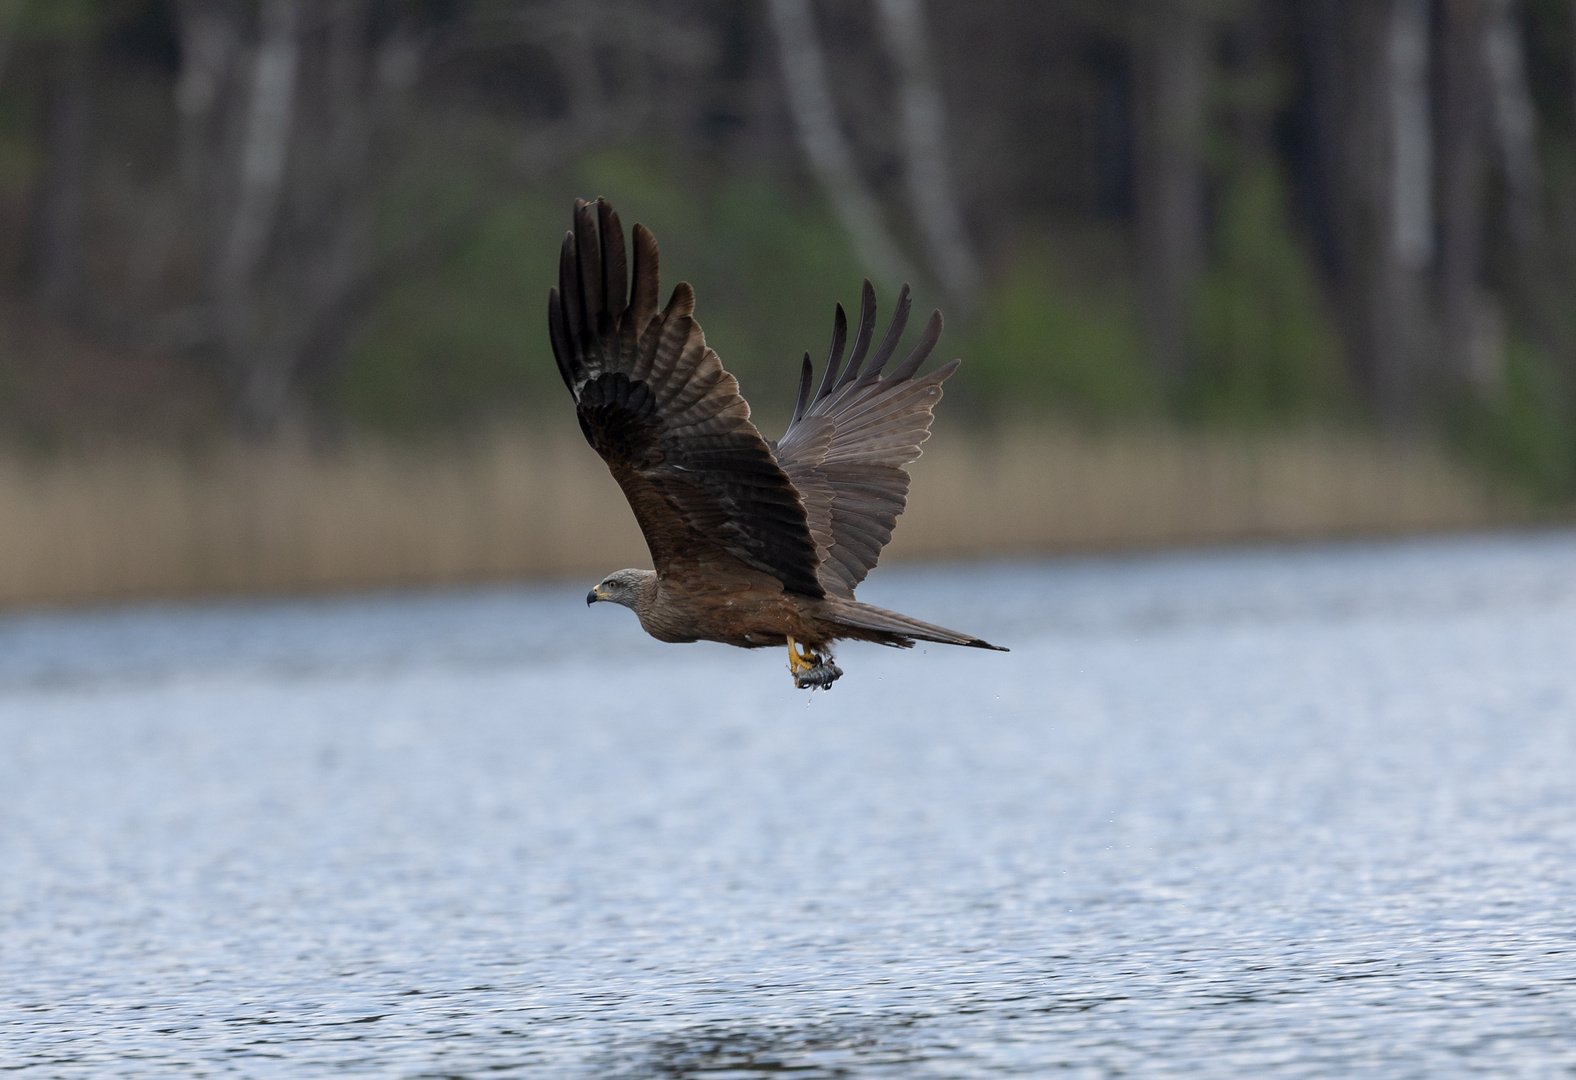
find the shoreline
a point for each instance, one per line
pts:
(112, 523)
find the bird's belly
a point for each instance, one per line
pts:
(749, 621)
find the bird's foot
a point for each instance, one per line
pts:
(811, 671)
(800, 658)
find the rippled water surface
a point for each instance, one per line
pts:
(1303, 813)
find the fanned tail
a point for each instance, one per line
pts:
(870, 623)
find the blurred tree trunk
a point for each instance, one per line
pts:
(10, 20)
(585, 38)
(63, 197)
(258, 362)
(1534, 293)
(1171, 50)
(1371, 76)
(207, 101)
(1515, 122)
(1537, 291)
(1411, 151)
(280, 133)
(827, 150)
(925, 150)
(1408, 174)
(1466, 310)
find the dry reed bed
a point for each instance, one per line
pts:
(116, 523)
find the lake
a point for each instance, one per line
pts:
(1298, 812)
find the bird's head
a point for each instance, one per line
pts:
(624, 587)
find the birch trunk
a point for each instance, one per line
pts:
(280, 123)
(815, 119)
(1515, 121)
(1473, 359)
(207, 93)
(1406, 185)
(1411, 136)
(64, 209)
(1172, 46)
(929, 178)
(255, 369)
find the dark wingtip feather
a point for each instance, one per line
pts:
(615, 270)
(557, 334)
(834, 358)
(569, 291)
(589, 256)
(867, 325)
(681, 301)
(922, 349)
(894, 333)
(643, 289)
(804, 391)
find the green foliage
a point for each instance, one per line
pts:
(467, 336)
(63, 20)
(1042, 343)
(1263, 345)
(767, 265)
(19, 150)
(1525, 431)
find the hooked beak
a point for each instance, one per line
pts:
(594, 595)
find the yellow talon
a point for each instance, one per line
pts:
(800, 659)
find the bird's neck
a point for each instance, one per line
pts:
(656, 617)
(646, 591)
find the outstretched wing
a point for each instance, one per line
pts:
(846, 447)
(655, 402)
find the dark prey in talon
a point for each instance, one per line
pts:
(821, 676)
(754, 543)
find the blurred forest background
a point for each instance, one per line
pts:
(273, 273)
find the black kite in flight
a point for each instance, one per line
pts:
(754, 543)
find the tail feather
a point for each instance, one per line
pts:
(870, 623)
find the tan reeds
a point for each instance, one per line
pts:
(1037, 489)
(113, 523)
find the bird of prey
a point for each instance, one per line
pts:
(755, 543)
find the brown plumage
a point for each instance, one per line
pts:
(754, 543)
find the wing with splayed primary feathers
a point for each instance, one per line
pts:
(655, 402)
(847, 444)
